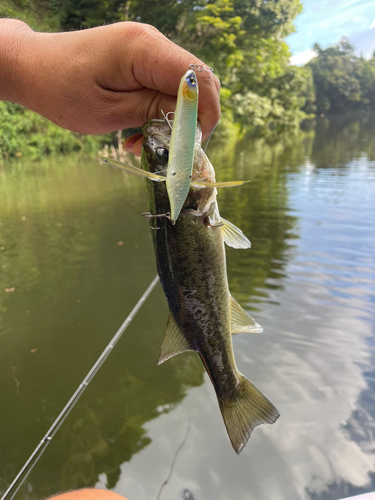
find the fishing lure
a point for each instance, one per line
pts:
(181, 151)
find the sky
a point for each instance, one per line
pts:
(326, 21)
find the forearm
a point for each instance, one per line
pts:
(14, 53)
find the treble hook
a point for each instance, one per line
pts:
(150, 216)
(165, 116)
(169, 113)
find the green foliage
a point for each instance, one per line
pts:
(166, 15)
(264, 18)
(75, 15)
(277, 106)
(343, 82)
(36, 14)
(23, 132)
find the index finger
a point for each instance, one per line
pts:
(159, 64)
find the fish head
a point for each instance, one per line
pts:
(155, 146)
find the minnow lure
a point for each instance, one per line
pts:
(181, 150)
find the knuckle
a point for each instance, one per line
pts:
(137, 31)
(207, 78)
(151, 29)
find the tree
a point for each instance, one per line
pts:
(343, 81)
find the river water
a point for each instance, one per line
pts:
(75, 256)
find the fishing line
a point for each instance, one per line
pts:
(174, 461)
(39, 450)
(209, 137)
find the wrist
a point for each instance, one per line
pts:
(14, 50)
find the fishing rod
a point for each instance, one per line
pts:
(39, 450)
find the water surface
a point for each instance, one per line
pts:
(75, 256)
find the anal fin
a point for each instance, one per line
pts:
(241, 321)
(233, 236)
(174, 341)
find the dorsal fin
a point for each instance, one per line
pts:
(241, 321)
(233, 236)
(174, 341)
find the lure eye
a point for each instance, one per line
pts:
(192, 81)
(162, 155)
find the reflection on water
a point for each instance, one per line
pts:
(75, 256)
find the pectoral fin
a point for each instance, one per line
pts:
(133, 170)
(174, 341)
(202, 183)
(233, 236)
(241, 321)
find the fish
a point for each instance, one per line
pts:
(191, 264)
(182, 142)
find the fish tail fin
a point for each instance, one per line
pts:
(244, 410)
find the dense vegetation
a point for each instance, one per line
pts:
(23, 132)
(243, 40)
(343, 82)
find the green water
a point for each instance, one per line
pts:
(76, 255)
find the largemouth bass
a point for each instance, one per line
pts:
(190, 258)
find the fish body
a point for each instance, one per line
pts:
(191, 265)
(181, 151)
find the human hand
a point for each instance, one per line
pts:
(103, 79)
(89, 494)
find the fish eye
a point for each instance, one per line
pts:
(162, 155)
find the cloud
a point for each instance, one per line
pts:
(372, 25)
(325, 22)
(301, 58)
